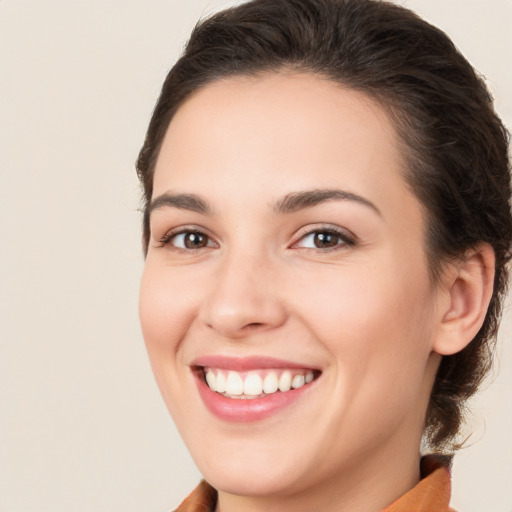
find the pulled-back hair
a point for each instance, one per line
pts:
(455, 146)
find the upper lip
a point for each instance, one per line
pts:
(242, 364)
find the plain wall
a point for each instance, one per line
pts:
(82, 425)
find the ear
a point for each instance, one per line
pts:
(468, 285)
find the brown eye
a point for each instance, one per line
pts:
(190, 240)
(325, 239)
(195, 240)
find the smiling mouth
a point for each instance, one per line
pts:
(256, 383)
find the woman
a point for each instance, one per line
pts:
(326, 230)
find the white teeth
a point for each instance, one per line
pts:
(285, 381)
(221, 383)
(253, 384)
(270, 384)
(234, 384)
(211, 380)
(298, 381)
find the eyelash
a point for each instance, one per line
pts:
(344, 239)
(170, 235)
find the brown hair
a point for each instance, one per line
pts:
(455, 145)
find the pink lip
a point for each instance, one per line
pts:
(241, 364)
(245, 410)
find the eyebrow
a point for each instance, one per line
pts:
(189, 202)
(307, 199)
(290, 203)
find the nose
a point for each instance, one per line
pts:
(245, 298)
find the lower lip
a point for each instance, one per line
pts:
(247, 410)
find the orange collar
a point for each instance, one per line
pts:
(432, 494)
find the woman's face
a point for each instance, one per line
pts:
(287, 250)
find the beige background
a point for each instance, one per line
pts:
(82, 426)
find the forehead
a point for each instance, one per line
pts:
(280, 132)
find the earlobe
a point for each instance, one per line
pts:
(469, 286)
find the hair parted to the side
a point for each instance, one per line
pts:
(455, 146)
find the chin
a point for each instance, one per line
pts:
(251, 470)
(241, 480)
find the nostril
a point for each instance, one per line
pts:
(253, 325)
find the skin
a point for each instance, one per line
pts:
(364, 311)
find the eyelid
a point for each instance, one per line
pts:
(348, 238)
(165, 240)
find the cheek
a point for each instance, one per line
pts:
(374, 322)
(377, 331)
(165, 310)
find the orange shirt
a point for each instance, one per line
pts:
(432, 494)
